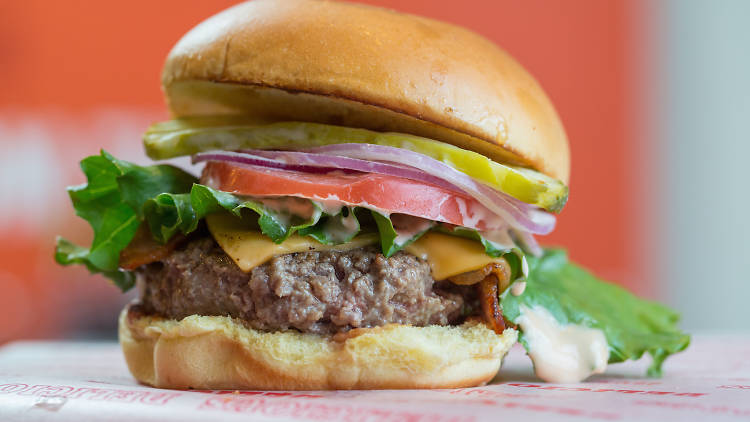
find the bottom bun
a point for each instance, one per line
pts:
(211, 352)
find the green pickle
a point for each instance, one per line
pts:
(187, 136)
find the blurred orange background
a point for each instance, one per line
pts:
(82, 75)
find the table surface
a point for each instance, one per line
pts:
(52, 381)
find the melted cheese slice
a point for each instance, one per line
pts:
(447, 255)
(450, 255)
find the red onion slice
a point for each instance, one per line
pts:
(254, 160)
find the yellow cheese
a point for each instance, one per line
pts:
(450, 255)
(447, 255)
(250, 248)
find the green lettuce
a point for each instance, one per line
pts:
(114, 209)
(67, 253)
(573, 295)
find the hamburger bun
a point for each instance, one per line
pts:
(212, 352)
(360, 66)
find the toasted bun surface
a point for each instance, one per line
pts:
(204, 352)
(355, 65)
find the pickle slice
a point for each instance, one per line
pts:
(187, 136)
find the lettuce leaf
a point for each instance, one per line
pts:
(573, 295)
(67, 253)
(112, 208)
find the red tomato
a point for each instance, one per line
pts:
(374, 191)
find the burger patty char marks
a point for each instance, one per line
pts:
(319, 292)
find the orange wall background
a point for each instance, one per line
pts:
(62, 63)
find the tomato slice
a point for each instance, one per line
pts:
(389, 194)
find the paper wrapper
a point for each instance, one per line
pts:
(44, 381)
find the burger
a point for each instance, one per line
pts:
(370, 186)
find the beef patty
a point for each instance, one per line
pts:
(318, 292)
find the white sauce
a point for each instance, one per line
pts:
(332, 200)
(330, 206)
(289, 205)
(350, 222)
(341, 228)
(562, 353)
(518, 288)
(407, 227)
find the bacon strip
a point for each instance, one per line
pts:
(500, 269)
(143, 249)
(491, 280)
(489, 299)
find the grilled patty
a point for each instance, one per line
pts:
(317, 292)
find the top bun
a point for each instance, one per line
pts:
(361, 66)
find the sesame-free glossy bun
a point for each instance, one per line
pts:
(361, 66)
(211, 352)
